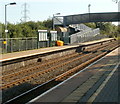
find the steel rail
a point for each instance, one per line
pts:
(16, 82)
(72, 70)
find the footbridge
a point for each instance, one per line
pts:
(87, 17)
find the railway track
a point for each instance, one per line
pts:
(65, 67)
(15, 78)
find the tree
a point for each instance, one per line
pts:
(30, 29)
(91, 25)
(48, 23)
(2, 30)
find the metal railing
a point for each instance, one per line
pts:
(80, 26)
(21, 44)
(86, 35)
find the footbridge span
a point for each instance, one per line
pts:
(88, 17)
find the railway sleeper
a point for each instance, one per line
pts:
(54, 68)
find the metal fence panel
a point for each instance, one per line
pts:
(22, 44)
(87, 35)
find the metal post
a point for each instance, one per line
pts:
(117, 1)
(19, 44)
(53, 19)
(118, 11)
(26, 43)
(89, 10)
(53, 22)
(6, 21)
(6, 27)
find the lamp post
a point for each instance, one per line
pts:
(6, 31)
(53, 19)
(89, 10)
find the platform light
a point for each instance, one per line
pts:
(53, 18)
(6, 31)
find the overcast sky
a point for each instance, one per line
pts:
(39, 10)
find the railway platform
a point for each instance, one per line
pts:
(22, 54)
(97, 83)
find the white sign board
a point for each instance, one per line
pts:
(43, 35)
(53, 35)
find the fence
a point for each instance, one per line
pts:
(21, 44)
(44, 39)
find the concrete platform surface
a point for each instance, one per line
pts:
(96, 83)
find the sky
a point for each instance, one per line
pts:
(40, 10)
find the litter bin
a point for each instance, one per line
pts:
(60, 43)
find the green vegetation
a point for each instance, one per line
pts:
(30, 29)
(106, 28)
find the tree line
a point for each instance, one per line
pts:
(30, 29)
(27, 29)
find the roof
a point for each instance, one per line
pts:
(61, 29)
